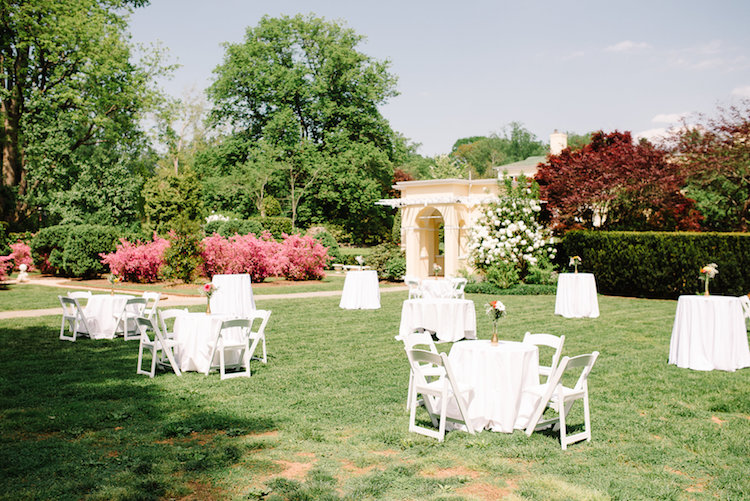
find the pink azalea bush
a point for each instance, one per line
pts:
(6, 264)
(20, 252)
(259, 257)
(303, 258)
(137, 262)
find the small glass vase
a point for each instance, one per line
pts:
(111, 291)
(208, 306)
(493, 341)
(705, 292)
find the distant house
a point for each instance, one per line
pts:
(558, 141)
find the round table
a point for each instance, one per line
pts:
(361, 291)
(451, 319)
(709, 333)
(576, 296)
(195, 334)
(102, 312)
(498, 374)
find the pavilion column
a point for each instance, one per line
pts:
(412, 249)
(452, 250)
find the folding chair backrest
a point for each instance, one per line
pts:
(745, 302)
(70, 306)
(419, 339)
(419, 358)
(152, 300)
(550, 341)
(165, 315)
(263, 316)
(584, 362)
(413, 284)
(145, 325)
(80, 295)
(459, 284)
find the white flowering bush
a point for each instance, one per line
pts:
(509, 232)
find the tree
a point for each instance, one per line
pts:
(515, 143)
(68, 90)
(614, 183)
(716, 157)
(300, 84)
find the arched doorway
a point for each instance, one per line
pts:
(430, 230)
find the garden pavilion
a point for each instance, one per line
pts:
(442, 211)
(435, 212)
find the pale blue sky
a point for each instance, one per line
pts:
(471, 67)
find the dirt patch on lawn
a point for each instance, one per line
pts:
(355, 470)
(293, 469)
(487, 492)
(457, 471)
(203, 492)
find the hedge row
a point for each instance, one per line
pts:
(513, 290)
(660, 265)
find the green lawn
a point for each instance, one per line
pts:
(326, 418)
(30, 297)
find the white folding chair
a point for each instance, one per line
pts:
(80, 295)
(223, 343)
(415, 290)
(550, 341)
(134, 308)
(152, 300)
(440, 393)
(420, 337)
(165, 315)
(560, 398)
(155, 345)
(459, 284)
(74, 317)
(745, 302)
(259, 318)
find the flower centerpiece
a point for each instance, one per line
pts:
(360, 260)
(436, 268)
(495, 310)
(113, 280)
(575, 261)
(208, 291)
(707, 273)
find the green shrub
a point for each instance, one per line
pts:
(182, 257)
(213, 227)
(276, 225)
(327, 240)
(395, 269)
(542, 273)
(660, 264)
(380, 255)
(503, 274)
(47, 248)
(271, 207)
(4, 249)
(84, 243)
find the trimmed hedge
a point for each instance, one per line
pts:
(73, 250)
(513, 290)
(660, 264)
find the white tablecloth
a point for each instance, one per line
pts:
(499, 375)
(233, 296)
(195, 334)
(576, 296)
(102, 311)
(361, 291)
(709, 333)
(451, 319)
(436, 288)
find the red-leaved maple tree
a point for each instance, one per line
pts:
(616, 184)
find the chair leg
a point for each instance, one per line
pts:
(443, 415)
(586, 416)
(222, 369)
(139, 370)
(153, 361)
(410, 390)
(563, 408)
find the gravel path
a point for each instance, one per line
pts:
(171, 301)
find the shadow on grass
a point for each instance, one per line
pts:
(76, 421)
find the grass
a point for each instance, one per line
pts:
(30, 297)
(326, 417)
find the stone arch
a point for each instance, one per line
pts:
(429, 223)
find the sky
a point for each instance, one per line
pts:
(470, 68)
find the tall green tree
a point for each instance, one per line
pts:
(715, 155)
(68, 93)
(301, 85)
